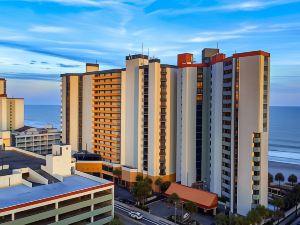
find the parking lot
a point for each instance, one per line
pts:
(161, 208)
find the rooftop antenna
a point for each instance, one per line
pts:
(96, 61)
(217, 45)
(143, 52)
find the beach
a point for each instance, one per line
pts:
(285, 168)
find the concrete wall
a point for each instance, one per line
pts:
(171, 125)
(60, 161)
(154, 118)
(216, 128)
(63, 110)
(188, 126)
(10, 180)
(74, 112)
(130, 95)
(87, 113)
(250, 121)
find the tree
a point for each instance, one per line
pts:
(278, 205)
(117, 172)
(270, 178)
(138, 178)
(174, 199)
(292, 179)
(190, 207)
(158, 182)
(253, 217)
(222, 219)
(293, 198)
(142, 190)
(116, 221)
(258, 214)
(164, 186)
(279, 177)
(263, 212)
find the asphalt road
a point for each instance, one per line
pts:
(122, 210)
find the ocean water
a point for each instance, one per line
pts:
(284, 136)
(41, 115)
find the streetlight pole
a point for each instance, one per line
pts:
(175, 212)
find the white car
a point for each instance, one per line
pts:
(135, 215)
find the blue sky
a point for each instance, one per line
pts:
(41, 39)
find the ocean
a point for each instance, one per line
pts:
(284, 136)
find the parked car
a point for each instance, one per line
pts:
(135, 215)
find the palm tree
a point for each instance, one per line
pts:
(263, 212)
(270, 178)
(158, 183)
(190, 207)
(174, 199)
(253, 217)
(292, 179)
(138, 178)
(222, 219)
(142, 190)
(279, 177)
(117, 172)
(164, 186)
(278, 205)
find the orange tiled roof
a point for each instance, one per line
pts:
(204, 199)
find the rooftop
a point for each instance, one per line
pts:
(204, 199)
(17, 160)
(21, 194)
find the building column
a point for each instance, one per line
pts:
(214, 211)
(92, 208)
(56, 216)
(13, 216)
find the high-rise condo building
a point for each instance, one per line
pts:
(125, 115)
(11, 110)
(76, 109)
(227, 99)
(149, 118)
(201, 124)
(2, 87)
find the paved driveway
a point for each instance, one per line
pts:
(163, 209)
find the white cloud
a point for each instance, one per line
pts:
(49, 29)
(244, 6)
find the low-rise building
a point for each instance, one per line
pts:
(5, 140)
(37, 140)
(37, 189)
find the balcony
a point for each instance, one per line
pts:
(256, 168)
(256, 178)
(255, 187)
(256, 159)
(256, 149)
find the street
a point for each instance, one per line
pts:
(122, 210)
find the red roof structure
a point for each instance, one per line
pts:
(203, 199)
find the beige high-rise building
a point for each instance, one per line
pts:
(2, 87)
(77, 109)
(237, 92)
(11, 110)
(106, 112)
(149, 119)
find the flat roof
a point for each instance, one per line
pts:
(17, 160)
(20, 194)
(94, 72)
